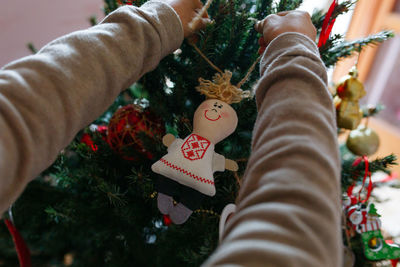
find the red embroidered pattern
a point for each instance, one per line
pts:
(195, 147)
(198, 178)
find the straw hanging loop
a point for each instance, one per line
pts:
(220, 87)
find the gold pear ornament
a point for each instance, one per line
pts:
(363, 141)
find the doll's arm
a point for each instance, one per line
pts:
(231, 165)
(168, 139)
(220, 163)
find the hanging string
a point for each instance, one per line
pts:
(206, 58)
(251, 69)
(193, 25)
(366, 122)
(367, 174)
(199, 16)
(248, 73)
(238, 180)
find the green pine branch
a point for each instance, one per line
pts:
(32, 48)
(318, 16)
(109, 6)
(336, 49)
(351, 174)
(370, 111)
(285, 5)
(93, 20)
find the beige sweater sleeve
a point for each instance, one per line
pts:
(288, 206)
(45, 99)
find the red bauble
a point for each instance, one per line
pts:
(125, 128)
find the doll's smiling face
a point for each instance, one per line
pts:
(213, 112)
(214, 120)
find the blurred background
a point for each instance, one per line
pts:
(40, 21)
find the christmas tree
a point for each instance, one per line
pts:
(96, 205)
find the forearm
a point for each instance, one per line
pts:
(45, 99)
(288, 206)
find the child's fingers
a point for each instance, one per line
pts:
(198, 24)
(198, 7)
(259, 26)
(197, 4)
(288, 21)
(282, 13)
(203, 22)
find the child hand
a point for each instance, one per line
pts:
(187, 10)
(289, 21)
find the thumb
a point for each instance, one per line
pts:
(198, 24)
(259, 26)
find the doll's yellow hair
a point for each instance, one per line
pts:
(221, 88)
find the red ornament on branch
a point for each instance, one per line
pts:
(87, 138)
(125, 128)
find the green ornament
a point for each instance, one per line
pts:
(372, 210)
(375, 247)
(363, 141)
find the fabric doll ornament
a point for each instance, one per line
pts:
(187, 170)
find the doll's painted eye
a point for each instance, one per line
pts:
(215, 104)
(220, 106)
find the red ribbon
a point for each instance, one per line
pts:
(394, 262)
(24, 255)
(391, 177)
(327, 25)
(366, 174)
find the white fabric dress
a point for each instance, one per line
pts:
(191, 162)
